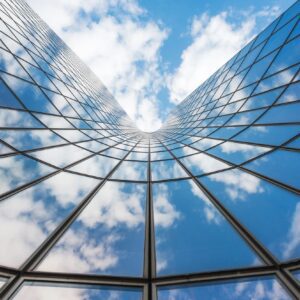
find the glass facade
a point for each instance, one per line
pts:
(207, 207)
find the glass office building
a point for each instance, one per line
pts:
(207, 207)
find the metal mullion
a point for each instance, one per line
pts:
(75, 278)
(11, 286)
(215, 276)
(149, 250)
(250, 239)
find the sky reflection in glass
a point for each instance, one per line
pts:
(276, 210)
(191, 235)
(31, 215)
(39, 291)
(107, 237)
(263, 288)
(240, 126)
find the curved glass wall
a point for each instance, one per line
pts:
(207, 207)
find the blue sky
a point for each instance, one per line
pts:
(152, 54)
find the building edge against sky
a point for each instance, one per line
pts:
(207, 207)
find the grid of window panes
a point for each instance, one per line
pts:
(207, 207)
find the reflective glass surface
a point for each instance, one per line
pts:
(252, 288)
(18, 169)
(276, 210)
(167, 169)
(31, 215)
(181, 207)
(87, 196)
(97, 165)
(107, 237)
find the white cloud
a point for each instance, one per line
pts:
(165, 214)
(121, 44)
(238, 184)
(90, 244)
(215, 39)
(32, 214)
(294, 234)
(122, 50)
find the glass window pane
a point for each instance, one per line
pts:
(281, 165)
(282, 114)
(160, 155)
(131, 170)
(115, 153)
(30, 139)
(191, 235)
(46, 291)
(30, 95)
(269, 212)
(18, 170)
(262, 288)
(137, 156)
(237, 153)
(97, 165)
(31, 215)
(7, 99)
(287, 56)
(61, 156)
(107, 237)
(278, 38)
(201, 163)
(167, 169)
(18, 119)
(268, 135)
